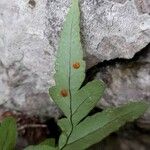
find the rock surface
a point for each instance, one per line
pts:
(127, 80)
(29, 33)
(27, 58)
(110, 28)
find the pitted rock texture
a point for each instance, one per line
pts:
(29, 36)
(110, 28)
(27, 58)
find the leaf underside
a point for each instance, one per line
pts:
(76, 103)
(79, 132)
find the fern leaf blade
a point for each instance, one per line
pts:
(86, 99)
(70, 67)
(95, 128)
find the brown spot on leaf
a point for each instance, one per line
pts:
(64, 93)
(76, 65)
(32, 3)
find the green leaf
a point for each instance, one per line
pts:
(49, 142)
(96, 127)
(65, 125)
(8, 134)
(62, 140)
(86, 99)
(76, 103)
(40, 147)
(70, 73)
(70, 67)
(66, 128)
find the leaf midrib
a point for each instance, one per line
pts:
(70, 93)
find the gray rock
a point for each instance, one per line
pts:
(110, 28)
(27, 58)
(29, 35)
(115, 28)
(127, 81)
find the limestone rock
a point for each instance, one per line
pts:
(110, 28)
(127, 81)
(27, 58)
